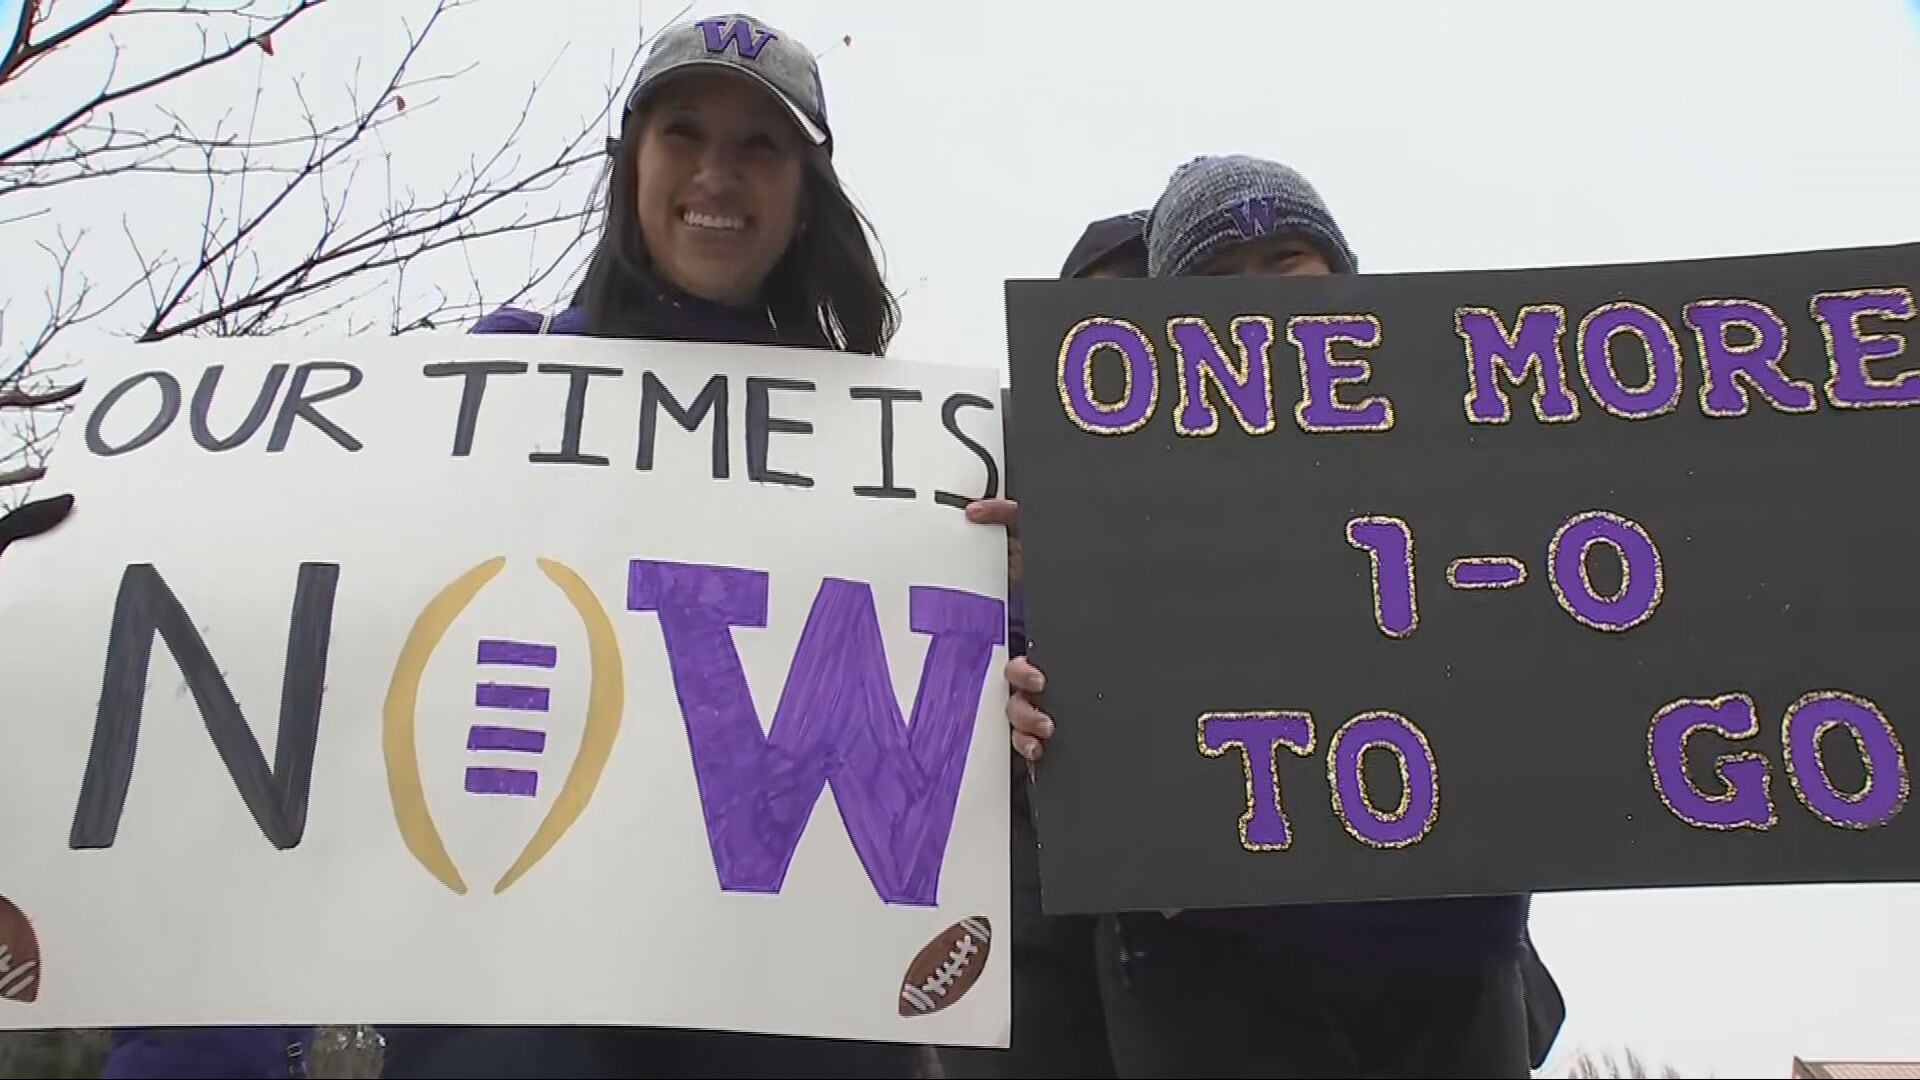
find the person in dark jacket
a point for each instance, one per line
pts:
(1390, 988)
(724, 222)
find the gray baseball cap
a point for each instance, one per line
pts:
(1214, 202)
(746, 46)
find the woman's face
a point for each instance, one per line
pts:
(719, 185)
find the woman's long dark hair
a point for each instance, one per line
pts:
(826, 291)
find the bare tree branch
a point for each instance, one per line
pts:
(110, 94)
(216, 293)
(14, 397)
(299, 227)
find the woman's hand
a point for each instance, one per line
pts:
(1001, 512)
(1029, 724)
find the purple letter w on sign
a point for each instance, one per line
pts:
(838, 722)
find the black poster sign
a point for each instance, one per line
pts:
(1437, 584)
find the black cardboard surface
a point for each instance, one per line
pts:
(1168, 576)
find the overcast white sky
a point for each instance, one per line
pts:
(1474, 133)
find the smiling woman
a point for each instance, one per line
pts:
(725, 219)
(719, 186)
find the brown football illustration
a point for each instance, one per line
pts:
(19, 955)
(947, 967)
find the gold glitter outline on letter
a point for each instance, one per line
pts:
(1720, 762)
(1738, 376)
(1453, 572)
(1373, 567)
(1626, 570)
(1153, 373)
(1819, 762)
(1371, 341)
(1535, 365)
(1204, 373)
(1360, 778)
(1581, 352)
(1246, 766)
(1853, 328)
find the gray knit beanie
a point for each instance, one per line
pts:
(1212, 203)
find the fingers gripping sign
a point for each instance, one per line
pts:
(1029, 724)
(1004, 512)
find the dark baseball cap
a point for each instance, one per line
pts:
(1104, 238)
(745, 46)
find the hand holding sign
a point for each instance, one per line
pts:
(1030, 725)
(1001, 512)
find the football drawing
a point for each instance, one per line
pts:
(19, 955)
(947, 967)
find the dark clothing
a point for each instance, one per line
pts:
(649, 1052)
(1464, 927)
(1192, 998)
(677, 315)
(217, 1053)
(434, 1052)
(1546, 1009)
(607, 1053)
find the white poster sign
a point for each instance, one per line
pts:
(511, 680)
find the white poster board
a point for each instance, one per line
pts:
(636, 689)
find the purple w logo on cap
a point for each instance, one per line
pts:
(746, 38)
(1255, 216)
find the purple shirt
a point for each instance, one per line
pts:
(217, 1053)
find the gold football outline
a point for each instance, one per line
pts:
(606, 694)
